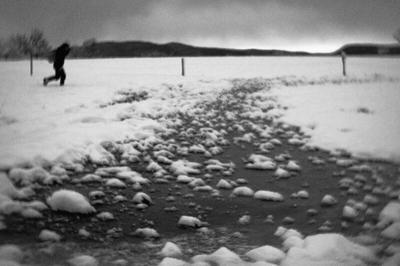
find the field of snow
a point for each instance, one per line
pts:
(44, 122)
(130, 144)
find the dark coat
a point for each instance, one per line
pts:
(59, 55)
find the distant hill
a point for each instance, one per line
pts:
(111, 49)
(148, 49)
(370, 49)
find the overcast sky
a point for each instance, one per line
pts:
(312, 25)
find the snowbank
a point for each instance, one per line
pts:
(360, 118)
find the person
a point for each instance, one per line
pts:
(58, 57)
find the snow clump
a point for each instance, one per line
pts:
(171, 250)
(268, 195)
(83, 260)
(69, 201)
(243, 192)
(189, 221)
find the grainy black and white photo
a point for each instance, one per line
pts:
(199, 133)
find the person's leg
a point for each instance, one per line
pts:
(54, 77)
(62, 76)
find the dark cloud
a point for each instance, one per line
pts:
(290, 24)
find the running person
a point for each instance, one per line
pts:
(58, 56)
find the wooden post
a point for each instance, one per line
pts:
(343, 55)
(183, 66)
(31, 68)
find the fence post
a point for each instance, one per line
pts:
(31, 63)
(183, 66)
(343, 55)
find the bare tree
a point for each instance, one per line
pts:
(37, 43)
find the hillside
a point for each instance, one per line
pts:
(370, 49)
(148, 49)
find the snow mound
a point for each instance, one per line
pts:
(329, 249)
(11, 253)
(115, 183)
(243, 192)
(266, 253)
(69, 201)
(189, 221)
(184, 167)
(47, 235)
(7, 188)
(83, 260)
(172, 262)
(146, 232)
(260, 162)
(268, 195)
(171, 250)
(389, 214)
(142, 197)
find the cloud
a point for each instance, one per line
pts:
(235, 23)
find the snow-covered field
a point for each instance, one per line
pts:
(37, 121)
(123, 126)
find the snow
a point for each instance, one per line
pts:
(69, 201)
(266, 253)
(189, 221)
(329, 249)
(105, 216)
(268, 195)
(11, 253)
(361, 118)
(243, 191)
(115, 183)
(171, 250)
(146, 232)
(71, 121)
(48, 235)
(83, 260)
(142, 197)
(389, 214)
(46, 130)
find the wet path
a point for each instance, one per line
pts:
(237, 135)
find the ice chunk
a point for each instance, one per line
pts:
(328, 200)
(7, 188)
(349, 212)
(281, 173)
(172, 262)
(392, 231)
(115, 182)
(146, 232)
(105, 216)
(389, 214)
(260, 162)
(293, 166)
(171, 250)
(141, 197)
(329, 249)
(69, 201)
(223, 184)
(98, 155)
(11, 252)
(189, 221)
(47, 235)
(83, 260)
(266, 253)
(243, 192)
(184, 167)
(268, 195)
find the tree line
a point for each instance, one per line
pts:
(21, 45)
